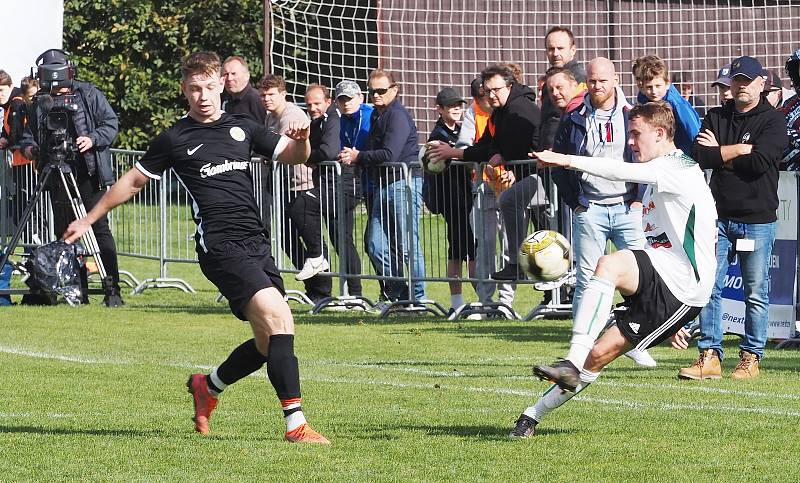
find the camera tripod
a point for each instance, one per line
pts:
(67, 178)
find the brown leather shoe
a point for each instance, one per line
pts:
(707, 366)
(747, 368)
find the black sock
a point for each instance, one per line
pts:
(282, 368)
(243, 361)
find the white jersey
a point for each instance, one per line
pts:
(678, 217)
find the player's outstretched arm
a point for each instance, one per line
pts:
(680, 340)
(298, 149)
(123, 190)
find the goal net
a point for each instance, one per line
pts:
(430, 44)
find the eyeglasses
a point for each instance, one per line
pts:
(493, 90)
(381, 91)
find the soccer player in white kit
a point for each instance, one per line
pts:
(664, 286)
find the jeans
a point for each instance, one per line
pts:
(487, 226)
(755, 280)
(591, 231)
(388, 232)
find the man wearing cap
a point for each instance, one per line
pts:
(742, 143)
(354, 128)
(449, 193)
(723, 84)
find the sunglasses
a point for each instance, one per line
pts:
(381, 91)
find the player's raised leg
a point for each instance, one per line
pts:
(616, 271)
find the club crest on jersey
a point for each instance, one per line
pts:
(659, 241)
(237, 133)
(210, 169)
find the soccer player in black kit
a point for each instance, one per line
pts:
(210, 152)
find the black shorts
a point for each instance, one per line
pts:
(241, 268)
(460, 239)
(653, 313)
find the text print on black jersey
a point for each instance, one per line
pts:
(210, 169)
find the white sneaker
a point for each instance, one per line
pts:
(641, 357)
(311, 267)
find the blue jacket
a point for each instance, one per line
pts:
(571, 139)
(687, 121)
(354, 130)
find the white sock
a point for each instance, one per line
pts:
(555, 397)
(591, 317)
(217, 382)
(294, 420)
(456, 300)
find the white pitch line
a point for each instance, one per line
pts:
(60, 357)
(688, 386)
(507, 391)
(589, 399)
(38, 415)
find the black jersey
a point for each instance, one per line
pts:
(212, 160)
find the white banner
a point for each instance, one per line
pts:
(29, 28)
(783, 272)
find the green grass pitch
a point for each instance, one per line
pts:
(94, 394)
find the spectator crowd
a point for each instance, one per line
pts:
(741, 140)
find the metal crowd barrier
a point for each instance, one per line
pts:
(17, 185)
(156, 224)
(468, 207)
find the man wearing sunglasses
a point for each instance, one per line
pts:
(392, 139)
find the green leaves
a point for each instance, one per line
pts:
(131, 50)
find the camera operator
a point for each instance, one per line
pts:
(91, 126)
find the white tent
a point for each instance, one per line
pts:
(29, 28)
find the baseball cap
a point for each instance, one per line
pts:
(476, 87)
(723, 76)
(448, 97)
(746, 66)
(773, 81)
(348, 89)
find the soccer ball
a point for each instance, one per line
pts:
(544, 255)
(433, 166)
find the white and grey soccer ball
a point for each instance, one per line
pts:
(545, 255)
(432, 165)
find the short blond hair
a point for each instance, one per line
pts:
(656, 114)
(205, 62)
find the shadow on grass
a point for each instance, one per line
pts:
(488, 433)
(513, 331)
(74, 431)
(445, 364)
